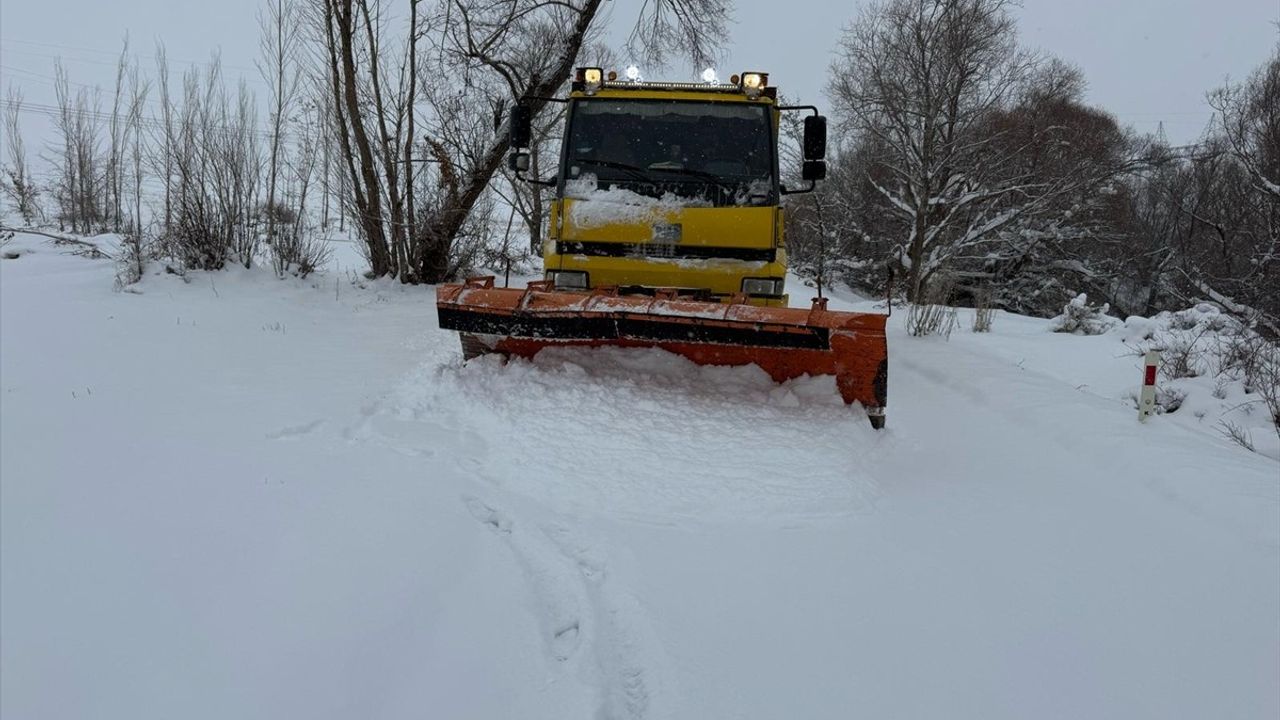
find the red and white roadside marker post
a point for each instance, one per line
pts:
(1147, 400)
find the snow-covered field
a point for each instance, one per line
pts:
(239, 497)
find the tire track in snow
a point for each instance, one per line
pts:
(586, 624)
(592, 630)
(295, 431)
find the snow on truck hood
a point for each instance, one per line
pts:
(595, 206)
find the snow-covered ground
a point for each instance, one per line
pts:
(244, 497)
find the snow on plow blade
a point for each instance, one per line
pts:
(786, 343)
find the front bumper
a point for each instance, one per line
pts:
(713, 278)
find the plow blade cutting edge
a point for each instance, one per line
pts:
(786, 343)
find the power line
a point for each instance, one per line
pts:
(52, 82)
(153, 123)
(34, 43)
(113, 54)
(49, 79)
(258, 82)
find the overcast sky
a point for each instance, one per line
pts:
(1146, 61)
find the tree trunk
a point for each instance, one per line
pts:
(409, 218)
(440, 230)
(368, 200)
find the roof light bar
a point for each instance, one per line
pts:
(590, 80)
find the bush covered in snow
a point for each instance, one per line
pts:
(1081, 318)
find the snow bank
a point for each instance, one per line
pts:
(1214, 370)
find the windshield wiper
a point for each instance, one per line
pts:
(701, 175)
(642, 174)
(635, 170)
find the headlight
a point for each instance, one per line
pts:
(591, 78)
(762, 286)
(753, 83)
(569, 279)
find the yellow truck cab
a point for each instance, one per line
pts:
(670, 186)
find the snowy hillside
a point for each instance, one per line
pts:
(239, 497)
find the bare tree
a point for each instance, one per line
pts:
(162, 149)
(921, 83)
(296, 248)
(280, 44)
(331, 175)
(410, 111)
(116, 140)
(326, 158)
(18, 184)
(217, 164)
(133, 144)
(349, 84)
(81, 184)
(691, 28)
(1244, 276)
(1069, 158)
(375, 102)
(1249, 121)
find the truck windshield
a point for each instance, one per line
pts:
(709, 153)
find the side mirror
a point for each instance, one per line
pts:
(518, 161)
(521, 126)
(815, 140)
(814, 170)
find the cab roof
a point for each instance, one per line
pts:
(640, 90)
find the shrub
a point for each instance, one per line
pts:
(1081, 318)
(983, 313)
(1182, 357)
(297, 250)
(933, 316)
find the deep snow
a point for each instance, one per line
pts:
(244, 497)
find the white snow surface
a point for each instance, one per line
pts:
(245, 497)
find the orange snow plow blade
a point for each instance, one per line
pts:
(786, 343)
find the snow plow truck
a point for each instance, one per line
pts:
(666, 230)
